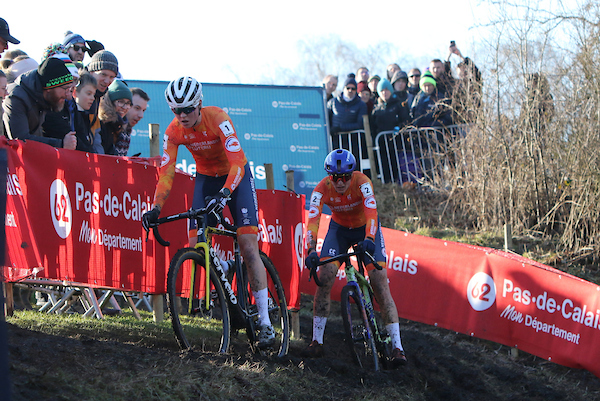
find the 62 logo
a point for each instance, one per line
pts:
(60, 206)
(481, 291)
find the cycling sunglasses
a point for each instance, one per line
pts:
(343, 177)
(186, 110)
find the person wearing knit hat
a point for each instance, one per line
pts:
(365, 95)
(36, 93)
(114, 106)
(347, 110)
(105, 67)
(119, 90)
(75, 46)
(430, 108)
(384, 84)
(390, 113)
(427, 83)
(350, 80)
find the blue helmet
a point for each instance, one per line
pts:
(340, 161)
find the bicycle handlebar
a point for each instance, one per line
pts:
(346, 257)
(192, 214)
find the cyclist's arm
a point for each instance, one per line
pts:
(369, 208)
(314, 216)
(167, 171)
(233, 151)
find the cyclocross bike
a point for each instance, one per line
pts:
(202, 300)
(370, 345)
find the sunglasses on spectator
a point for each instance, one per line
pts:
(78, 48)
(351, 88)
(343, 177)
(186, 110)
(416, 75)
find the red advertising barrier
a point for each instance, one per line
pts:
(76, 217)
(490, 294)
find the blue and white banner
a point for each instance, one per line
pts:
(281, 125)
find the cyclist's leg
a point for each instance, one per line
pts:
(244, 209)
(381, 288)
(335, 243)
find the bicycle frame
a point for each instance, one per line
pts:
(357, 280)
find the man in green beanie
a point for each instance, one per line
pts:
(36, 93)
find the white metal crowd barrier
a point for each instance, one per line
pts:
(410, 155)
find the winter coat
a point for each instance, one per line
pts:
(346, 116)
(57, 124)
(115, 136)
(25, 110)
(430, 111)
(387, 116)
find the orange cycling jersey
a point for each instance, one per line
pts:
(352, 209)
(214, 145)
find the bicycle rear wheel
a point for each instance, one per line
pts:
(278, 312)
(359, 334)
(197, 325)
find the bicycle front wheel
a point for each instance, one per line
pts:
(198, 324)
(359, 334)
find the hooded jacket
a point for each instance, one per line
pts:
(115, 136)
(25, 110)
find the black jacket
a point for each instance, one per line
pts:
(25, 110)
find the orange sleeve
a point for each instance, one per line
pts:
(235, 154)
(314, 214)
(167, 170)
(369, 206)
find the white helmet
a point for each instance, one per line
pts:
(183, 92)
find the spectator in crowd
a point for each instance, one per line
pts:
(391, 69)
(330, 82)
(75, 46)
(414, 75)
(399, 82)
(362, 74)
(37, 92)
(389, 112)
(443, 78)
(84, 96)
(5, 36)
(57, 124)
(3, 85)
(365, 95)
(105, 67)
(346, 110)
(139, 101)
(19, 66)
(466, 100)
(373, 81)
(429, 108)
(113, 121)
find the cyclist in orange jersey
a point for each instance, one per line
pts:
(222, 177)
(349, 195)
